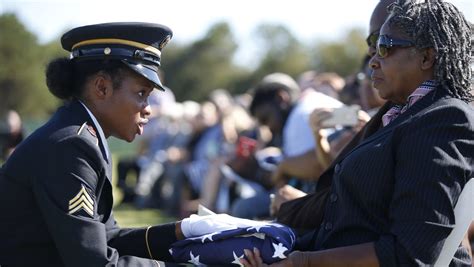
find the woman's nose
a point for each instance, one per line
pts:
(146, 109)
(373, 62)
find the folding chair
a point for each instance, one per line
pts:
(464, 214)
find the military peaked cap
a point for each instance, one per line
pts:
(136, 44)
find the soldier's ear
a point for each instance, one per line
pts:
(102, 86)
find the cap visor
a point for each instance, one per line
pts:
(147, 71)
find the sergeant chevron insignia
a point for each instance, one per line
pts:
(83, 201)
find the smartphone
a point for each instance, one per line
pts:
(344, 116)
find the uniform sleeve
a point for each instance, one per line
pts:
(434, 160)
(66, 195)
(131, 241)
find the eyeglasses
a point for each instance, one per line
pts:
(385, 43)
(372, 39)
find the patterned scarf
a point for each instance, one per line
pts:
(396, 110)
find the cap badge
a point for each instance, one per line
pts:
(107, 50)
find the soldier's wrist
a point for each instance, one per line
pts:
(178, 231)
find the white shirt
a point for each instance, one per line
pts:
(297, 134)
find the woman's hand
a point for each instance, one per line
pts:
(253, 259)
(284, 194)
(317, 117)
(363, 117)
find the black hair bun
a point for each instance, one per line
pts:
(59, 78)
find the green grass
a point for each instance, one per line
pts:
(128, 216)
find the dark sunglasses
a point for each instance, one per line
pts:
(372, 39)
(385, 43)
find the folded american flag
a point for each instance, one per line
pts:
(275, 242)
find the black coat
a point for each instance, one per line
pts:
(396, 185)
(56, 201)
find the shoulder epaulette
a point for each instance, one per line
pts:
(90, 133)
(82, 128)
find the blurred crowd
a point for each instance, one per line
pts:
(245, 154)
(238, 154)
(11, 132)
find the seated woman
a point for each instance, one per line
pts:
(392, 197)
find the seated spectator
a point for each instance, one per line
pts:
(381, 208)
(328, 145)
(166, 146)
(358, 90)
(212, 190)
(277, 104)
(216, 194)
(11, 133)
(175, 189)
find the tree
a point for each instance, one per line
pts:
(342, 56)
(282, 51)
(22, 83)
(193, 71)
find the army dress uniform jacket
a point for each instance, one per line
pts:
(56, 202)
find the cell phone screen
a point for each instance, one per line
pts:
(344, 116)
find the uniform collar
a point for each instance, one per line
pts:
(99, 129)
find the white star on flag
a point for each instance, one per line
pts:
(194, 260)
(256, 227)
(279, 250)
(259, 235)
(208, 236)
(237, 259)
(277, 225)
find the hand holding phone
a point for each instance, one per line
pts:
(344, 116)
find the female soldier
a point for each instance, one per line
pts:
(55, 190)
(392, 196)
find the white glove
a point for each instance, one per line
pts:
(202, 225)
